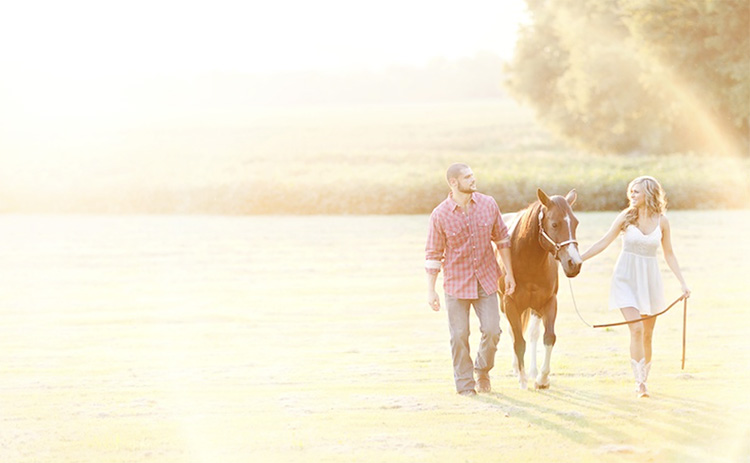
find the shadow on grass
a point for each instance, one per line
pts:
(595, 419)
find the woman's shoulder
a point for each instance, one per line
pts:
(618, 225)
(621, 217)
(663, 221)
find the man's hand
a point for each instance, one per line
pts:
(510, 281)
(510, 284)
(433, 300)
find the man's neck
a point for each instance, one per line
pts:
(462, 199)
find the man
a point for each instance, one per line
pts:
(462, 229)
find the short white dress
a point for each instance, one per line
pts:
(636, 281)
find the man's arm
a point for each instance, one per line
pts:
(510, 281)
(434, 251)
(433, 300)
(501, 237)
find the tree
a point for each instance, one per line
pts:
(638, 75)
(704, 46)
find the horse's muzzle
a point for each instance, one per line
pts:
(570, 260)
(571, 268)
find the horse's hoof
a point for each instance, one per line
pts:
(541, 386)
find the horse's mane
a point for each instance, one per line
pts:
(528, 224)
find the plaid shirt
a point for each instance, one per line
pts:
(460, 243)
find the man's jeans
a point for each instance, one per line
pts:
(487, 310)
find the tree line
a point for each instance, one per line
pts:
(638, 76)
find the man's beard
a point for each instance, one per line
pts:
(467, 188)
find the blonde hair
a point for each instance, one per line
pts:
(656, 200)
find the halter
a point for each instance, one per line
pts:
(554, 244)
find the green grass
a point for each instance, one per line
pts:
(295, 339)
(378, 159)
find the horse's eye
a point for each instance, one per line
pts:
(554, 224)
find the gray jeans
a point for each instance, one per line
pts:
(488, 312)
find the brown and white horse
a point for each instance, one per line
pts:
(542, 234)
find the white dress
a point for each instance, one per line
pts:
(636, 281)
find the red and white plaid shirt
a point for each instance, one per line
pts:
(460, 243)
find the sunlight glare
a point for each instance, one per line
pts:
(83, 67)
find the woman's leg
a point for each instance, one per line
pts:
(648, 335)
(636, 333)
(637, 351)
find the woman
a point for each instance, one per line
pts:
(636, 283)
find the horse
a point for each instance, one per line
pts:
(542, 235)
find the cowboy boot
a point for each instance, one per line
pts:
(644, 377)
(639, 372)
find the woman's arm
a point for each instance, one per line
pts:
(666, 245)
(607, 239)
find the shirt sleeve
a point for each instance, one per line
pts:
(500, 234)
(435, 248)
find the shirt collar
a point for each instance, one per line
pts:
(453, 202)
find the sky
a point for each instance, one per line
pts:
(72, 67)
(81, 38)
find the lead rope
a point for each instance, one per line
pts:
(570, 285)
(684, 318)
(684, 331)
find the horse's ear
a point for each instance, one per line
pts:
(571, 196)
(543, 197)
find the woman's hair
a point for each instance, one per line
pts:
(656, 201)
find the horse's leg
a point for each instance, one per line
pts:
(519, 345)
(532, 335)
(542, 381)
(515, 359)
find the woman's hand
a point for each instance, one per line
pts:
(685, 291)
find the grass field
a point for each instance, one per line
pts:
(221, 339)
(366, 159)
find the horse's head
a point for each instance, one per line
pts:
(557, 230)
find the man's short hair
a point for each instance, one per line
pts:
(455, 170)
